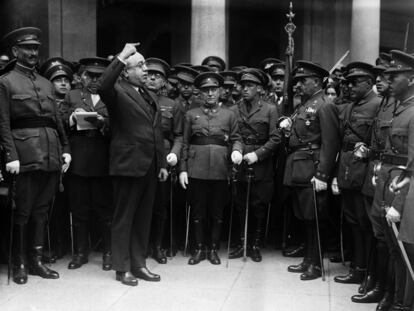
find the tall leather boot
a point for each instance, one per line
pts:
(158, 253)
(106, 241)
(37, 267)
(80, 233)
(215, 241)
(376, 293)
(199, 253)
(255, 254)
(19, 249)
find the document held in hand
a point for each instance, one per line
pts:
(86, 120)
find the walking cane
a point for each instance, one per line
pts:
(72, 247)
(187, 229)
(172, 176)
(315, 204)
(233, 193)
(250, 176)
(267, 223)
(12, 202)
(341, 236)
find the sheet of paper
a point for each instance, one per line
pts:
(82, 122)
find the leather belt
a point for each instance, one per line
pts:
(33, 122)
(208, 140)
(306, 147)
(88, 133)
(253, 141)
(393, 159)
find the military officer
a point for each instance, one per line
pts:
(172, 127)
(216, 63)
(277, 76)
(313, 145)
(257, 125)
(88, 183)
(377, 281)
(185, 76)
(36, 146)
(236, 93)
(210, 131)
(229, 83)
(59, 72)
(398, 152)
(356, 125)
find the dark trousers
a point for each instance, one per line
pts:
(355, 211)
(134, 201)
(88, 194)
(34, 196)
(207, 197)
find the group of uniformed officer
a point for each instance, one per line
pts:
(226, 138)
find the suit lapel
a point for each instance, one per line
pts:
(137, 98)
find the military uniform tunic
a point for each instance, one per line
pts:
(31, 132)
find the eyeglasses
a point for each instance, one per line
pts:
(155, 75)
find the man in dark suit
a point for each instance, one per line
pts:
(88, 184)
(137, 157)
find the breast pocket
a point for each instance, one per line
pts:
(399, 139)
(27, 142)
(23, 105)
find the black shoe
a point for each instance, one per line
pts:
(146, 275)
(77, 261)
(355, 276)
(312, 273)
(300, 268)
(374, 295)
(237, 252)
(19, 274)
(366, 285)
(107, 261)
(386, 301)
(298, 251)
(49, 259)
(126, 278)
(42, 271)
(213, 257)
(338, 258)
(198, 256)
(254, 253)
(159, 255)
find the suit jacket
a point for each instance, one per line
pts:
(135, 117)
(90, 148)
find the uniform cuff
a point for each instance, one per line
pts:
(322, 176)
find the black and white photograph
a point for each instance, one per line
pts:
(206, 155)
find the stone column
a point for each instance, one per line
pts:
(365, 30)
(208, 29)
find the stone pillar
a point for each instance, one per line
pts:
(365, 30)
(208, 29)
(72, 28)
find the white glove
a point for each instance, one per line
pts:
(392, 215)
(172, 159)
(66, 162)
(319, 184)
(163, 174)
(361, 150)
(236, 157)
(73, 116)
(334, 186)
(286, 124)
(183, 179)
(13, 167)
(396, 186)
(251, 158)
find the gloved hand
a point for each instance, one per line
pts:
(361, 150)
(250, 158)
(13, 167)
(171, 159)
(67, 158)
(319, 184)
(396, 186)
(334, 186)
(72, 117)
(392, 215)
(183, 178)
(236, 157)
(97, 121)
(163, 174)
(286, 124)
